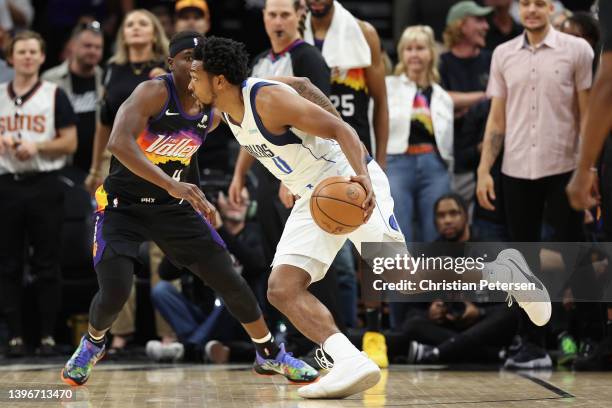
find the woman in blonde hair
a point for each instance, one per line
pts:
(140, 54)
(420, 147)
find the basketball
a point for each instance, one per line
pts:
(335, 205)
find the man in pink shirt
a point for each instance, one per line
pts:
(539, 86)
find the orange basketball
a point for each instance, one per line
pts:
(335, 205)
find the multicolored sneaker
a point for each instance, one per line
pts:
(285, 364)
(78, 368)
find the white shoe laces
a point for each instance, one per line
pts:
(322, 360)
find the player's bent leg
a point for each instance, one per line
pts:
(218, 272)
(115, 275)
(352, 371)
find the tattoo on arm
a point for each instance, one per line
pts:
(310, 92)
(497, 141)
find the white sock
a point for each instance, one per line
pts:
(339, 347)
(96, 338)
(264, 339)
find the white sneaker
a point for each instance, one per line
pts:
(164, 352)
(347, 377)
(536, 303)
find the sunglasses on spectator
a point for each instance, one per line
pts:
(92, 26)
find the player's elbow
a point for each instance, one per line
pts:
(303, 81)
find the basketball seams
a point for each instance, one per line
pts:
(337, 199)
(333, 219)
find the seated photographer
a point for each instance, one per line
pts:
(460, 332)
(448, 332)
(195, 314)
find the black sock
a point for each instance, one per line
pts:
(99, 342)
(373, 319)
(267, 349)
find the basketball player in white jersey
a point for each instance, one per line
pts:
(276, 126)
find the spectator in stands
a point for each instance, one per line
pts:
(6, 72)
(420, 154)
(451, 215)
(142, 49)
(539, 87)
(464, 72)
(186, 315)
(214, 155)
(464, 331)
(165, 17)
(420, 149)
(81, 79)
(460, 332)
(502, 26)
(289, 56)
(37, 133)
(192, 15)
(358, 71)
(559, 17)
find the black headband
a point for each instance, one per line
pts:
(184, 44)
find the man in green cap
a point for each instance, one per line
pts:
(466, 9)
(464, 72)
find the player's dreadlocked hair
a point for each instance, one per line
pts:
(222, 56)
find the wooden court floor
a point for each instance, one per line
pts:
(149, 385)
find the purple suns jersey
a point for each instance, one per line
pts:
(170, 141)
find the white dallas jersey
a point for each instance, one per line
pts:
(299, 160)
(33, 121)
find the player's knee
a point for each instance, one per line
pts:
(279, 292)
(112, 300)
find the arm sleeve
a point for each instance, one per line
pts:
(64, 114)
(583, 76)
(497, 83)
(309, 63)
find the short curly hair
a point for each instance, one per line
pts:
(222, 56)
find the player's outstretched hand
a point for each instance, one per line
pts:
(235, 191)
(369, 203)
(194, 196)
